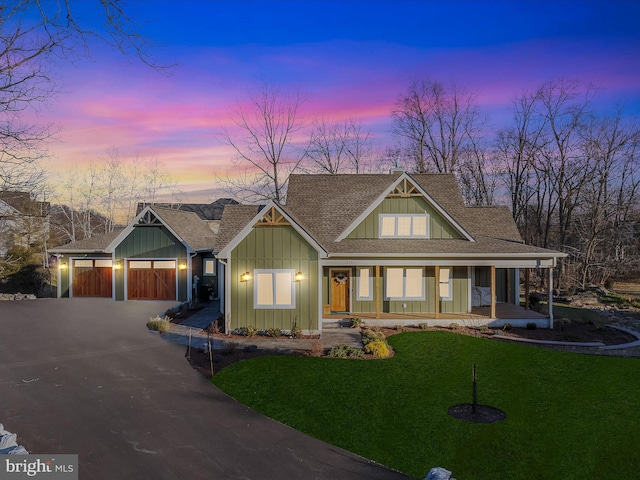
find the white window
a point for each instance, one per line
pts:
(209, 267)
(445, 284)
(164, 264)
(104, 263)
(404, 283)
(274, 289)
(83, 263)
(365, 284)
(133, 264)
(404, 225)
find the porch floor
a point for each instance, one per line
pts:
(504, 311)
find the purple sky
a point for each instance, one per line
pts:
(347, 58)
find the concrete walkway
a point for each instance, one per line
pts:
(189, 332)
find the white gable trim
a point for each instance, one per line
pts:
(226, 251)
(384, 194)
(125, 233)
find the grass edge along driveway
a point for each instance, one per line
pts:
(569, 416)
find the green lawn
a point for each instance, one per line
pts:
(569, 416)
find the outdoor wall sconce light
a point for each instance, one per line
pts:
(183, 266)
(245, 277)
(63, 266)
(298, 276)
(117, 266)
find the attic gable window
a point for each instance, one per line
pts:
(404, 225)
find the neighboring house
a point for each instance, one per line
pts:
(156, 257)
(24, 222)
(391, 249)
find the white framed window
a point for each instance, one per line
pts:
(404, 225)
(364, 284)
(209, 267)
(404, 283)
(445, 284)
(274, 288)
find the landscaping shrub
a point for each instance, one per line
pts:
(369, 336)
(345, 351)
(274, 332)
(159, 324)
(251, 331)
(507, 326)
(562, 323)
(356, 322)
(534, 302)
(423, 326)
(296, 331)
(454, 326)
(377, 348)
(531, 326)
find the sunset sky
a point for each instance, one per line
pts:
(346, 58)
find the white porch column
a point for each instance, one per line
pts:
(550, 297)
(493, 291)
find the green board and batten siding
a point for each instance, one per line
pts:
(438, 226)
(274, 247)
(151, 242)
(459, 304)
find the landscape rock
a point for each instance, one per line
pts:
(439, 473)
(8, 444)
(17, 296)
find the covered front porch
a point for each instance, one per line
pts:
(515, 315)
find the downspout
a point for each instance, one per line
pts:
(59, 273)
(190, 276)
(226, 287)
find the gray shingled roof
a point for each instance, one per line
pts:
(206, 211)
(234, 219)
(188, 227)
(326, 205)
(94, 244)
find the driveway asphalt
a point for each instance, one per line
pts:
(85, 376)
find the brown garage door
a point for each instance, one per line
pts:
(151, 280)
(92, 278)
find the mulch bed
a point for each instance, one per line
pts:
(574, 332)
(483, 413)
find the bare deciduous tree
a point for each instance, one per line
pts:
(435, 122)
(339, 147)
(264, 144)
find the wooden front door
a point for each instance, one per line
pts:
(340, 290)
(92, 278)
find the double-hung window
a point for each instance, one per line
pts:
(274, 289)
(404, 283)
(404, 225)
(365, 284)
(445, 284)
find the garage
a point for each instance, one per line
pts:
(151, 280)
(92, 278)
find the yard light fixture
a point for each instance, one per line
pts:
(298, 276)
(245, 277)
